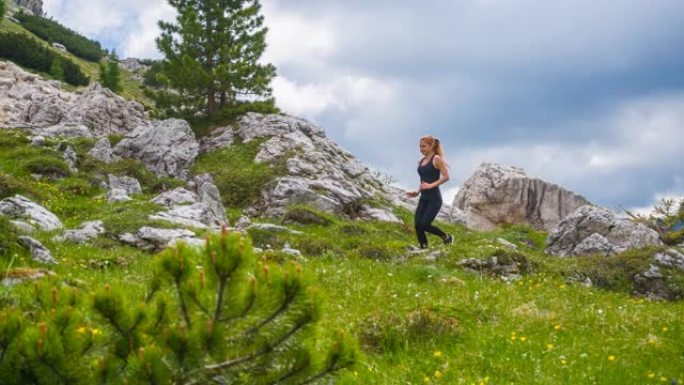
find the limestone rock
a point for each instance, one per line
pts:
(117, 195)
(186, 208)
(319, 173)
(177, 196)
(154, 239)
(570, 235)
(22, 208)
(126, 183)
(596, 244)
(102, 150)
(132, 65)
(497, 194)
(670, 258)
(39, 253)
(34, 6)
(87, 231)
(167, 147)
(30, 101)
(70, 157)
(273, 228)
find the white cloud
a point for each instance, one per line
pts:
(647, 134)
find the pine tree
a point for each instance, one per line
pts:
(110, 74)
(113, 73)
(104, 79)
(56, 70)
(3, 8)
(212, 55)
(215, 315)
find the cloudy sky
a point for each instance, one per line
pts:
(587, 94)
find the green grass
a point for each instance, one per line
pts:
(236, 175)
(416, 321)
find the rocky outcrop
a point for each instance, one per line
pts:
(319, 173)
(663, 278)
(30, 101)
(87, 231)
(166, 147)
(592, 229)
(495, 195)
(102, 150)
(132, 65)
(120, 187)
(39, 253)
(186, 208)
(154, 239)
(34, 6)
(24, 210)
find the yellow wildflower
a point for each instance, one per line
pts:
(611, 358)
(523, 338)
(437, 354)
(549, 346)
(563, 362)
(438, 374)
(81, 330)
(96, 332)
(426, 380)
(556, 327)
(663, 379)
(651, 374)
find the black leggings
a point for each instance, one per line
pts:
(425, 213)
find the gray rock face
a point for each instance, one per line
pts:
(132, 65)
(70, 157)
(273, 228)
(35, 6)
(319, 172)
(22, 208)
(177, 196)
(117, 195)
(154, 239)
(30, 101)
(39, 253)
(167, 147)
(497, 194)
(595, 244)
(86, 232)
(103, 151)
(575, 234)
(186, 208)
(125, 183)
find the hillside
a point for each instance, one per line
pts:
(539, 287)
(131, 88)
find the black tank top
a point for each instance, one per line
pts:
(429, 173)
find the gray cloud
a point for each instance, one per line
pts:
(563, 88)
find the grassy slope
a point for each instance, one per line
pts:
(417, 321)
(131, 88)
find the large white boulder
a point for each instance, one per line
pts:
(496, 194)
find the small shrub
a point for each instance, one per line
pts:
(48, 166)
(388, 333)
(306, 216)
(207, 314)
(80, 186)
(8, 238)
(10, 186)
(239, 179)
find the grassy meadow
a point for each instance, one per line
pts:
(415, 319)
